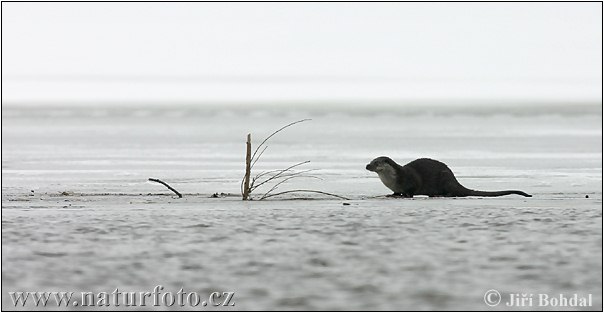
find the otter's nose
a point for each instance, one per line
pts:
(367, 167)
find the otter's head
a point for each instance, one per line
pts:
(380, 164)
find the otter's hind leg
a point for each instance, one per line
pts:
(395, 195)
(448, 184)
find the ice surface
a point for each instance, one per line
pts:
(79, 215)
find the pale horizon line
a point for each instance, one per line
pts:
(285, 78)
(336, 104)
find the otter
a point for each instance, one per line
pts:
(426, 177)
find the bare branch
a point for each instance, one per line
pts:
(161, 182)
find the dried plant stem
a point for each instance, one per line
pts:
(279, 173)
(278, 176)
(273, 134)
(259, 155)
(161, 182)
(248, 167)
(296, 175)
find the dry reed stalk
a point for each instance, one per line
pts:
(248, 167)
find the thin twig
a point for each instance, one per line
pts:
(304, 190)
(274, 133)
(259, 155)
(161, 182)
(299, 174)
(284, 175)
(266, 173)
(279, 173)
(285, 180)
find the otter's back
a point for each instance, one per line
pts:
(431, 173)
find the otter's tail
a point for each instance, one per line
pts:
(470, 192)
(458, 190)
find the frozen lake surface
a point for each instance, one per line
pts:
(79, 215)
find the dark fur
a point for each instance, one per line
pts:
(431, 178)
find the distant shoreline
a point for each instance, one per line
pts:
(474, 107)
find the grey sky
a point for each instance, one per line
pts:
(254, 52)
